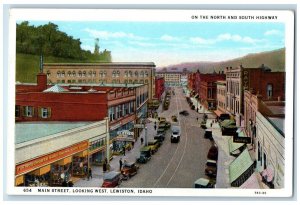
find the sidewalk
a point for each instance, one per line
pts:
(130, 156)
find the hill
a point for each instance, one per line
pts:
(274, 59)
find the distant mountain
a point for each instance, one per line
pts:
(273, 59)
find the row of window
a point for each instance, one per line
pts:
(118, 111)
(29, 111)
(102, 81)
(221, 92)
(233, 87)
(141, 99)
(233, 105)
(102, 74)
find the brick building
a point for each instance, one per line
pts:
(172, 78)
(102, 73)
(221, 97)
(208, 89)
(159, 87)
(271, 86)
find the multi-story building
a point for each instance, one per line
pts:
(159, 87)
(172, 78)
(221, 97)
(271, 85)
(264, 123)
(123, 104)
(208, 89)
(102, 73)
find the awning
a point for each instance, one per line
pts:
(196, 96)
(251, 183)
(218, 112)
(240, 165)
(233, 146)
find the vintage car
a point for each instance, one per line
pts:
(165, 125)
(213, 153)
(184, 113)
(204, 183)
(159, 137)
(203, 124)
(161, 131)
(176, 133)
(162, 119)
(112, 179)
(208, 134)
(153, 145)
(145, 155)
(211, 171)
(129, 169)
(174, 118)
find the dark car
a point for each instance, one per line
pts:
(153, 145)
(165, 125)
(184, 113)
(145, 155)
(213, 153)
(129, 169)
(203, 124)
(211, 171)
(161, 131)
(159, 137)
(174, 118)
(228, 127)
(112, 179)
(208, 134)
(224, 116)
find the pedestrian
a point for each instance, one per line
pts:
(90, 173)
(142, 140)
(155, 127)
(132, 143)
(211, 124)
(197, 119)
(64, 184)
(104, 166)
(124, 149)
(121, 163)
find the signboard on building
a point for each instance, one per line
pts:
(239, 139)
(125, 132)
(139, 126)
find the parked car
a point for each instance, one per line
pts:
(112, 179)
(193, 107)
(211, 163)
(224, 116)
(211, 171)
(161, 131)
(176, 132)
(129, 169)
(208, 134)
(184, 113)
(160, 137)
(174, 118)
(203, 124)
(153, 145)
(145, 155)
(213, 153)
(162, 119)
(165, 125)
(204, 183)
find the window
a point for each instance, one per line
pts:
(73, 73)
(79, 74)
(136, 74)
(126, 73)
(58, 74)
(84, 73)
(111, 112)
(17, 111)
(142, 74)
(44, 112)
(269, 90)
(90, 73)
(28, 111)
(114, 74)
(146, 74)
(118, 74)
(130, 73)
(94, 73)
(120, 111)
(63, 73)
(146, 81)
(69, 73)
(48, 73)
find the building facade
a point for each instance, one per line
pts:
(172, 78)
(102, 73)
(270, 85)
(159, 87)
(221, 97)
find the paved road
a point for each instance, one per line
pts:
(175, 165)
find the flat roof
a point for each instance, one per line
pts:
(27, 131)
(103, 64)
(277, 109)
(115, 85)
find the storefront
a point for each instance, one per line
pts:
(51, 160)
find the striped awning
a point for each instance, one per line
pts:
(240, 165)
(233, 146)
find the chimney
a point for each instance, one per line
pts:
(42, 81)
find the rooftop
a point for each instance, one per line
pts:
(150, 64)
(29, 131)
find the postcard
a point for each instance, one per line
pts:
(141, 102)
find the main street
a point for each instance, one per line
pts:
(175, 165)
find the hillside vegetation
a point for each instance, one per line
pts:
(55, 46)
(273, 59)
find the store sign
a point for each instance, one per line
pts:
(246, 79)
(139, 126)
(50, 158)
(125, 132)
(238, 139)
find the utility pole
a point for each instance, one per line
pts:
(146, 137)
(107, 140)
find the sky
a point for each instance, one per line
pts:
(168, 43)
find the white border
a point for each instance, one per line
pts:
(285, 17)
